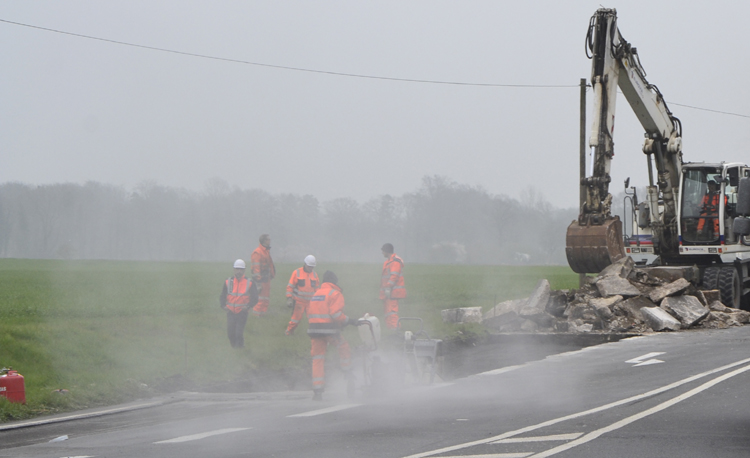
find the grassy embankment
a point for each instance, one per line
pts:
(110, 332)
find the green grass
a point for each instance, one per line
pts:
(110, 332)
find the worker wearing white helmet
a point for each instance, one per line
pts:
(302, 285)
(238, 296)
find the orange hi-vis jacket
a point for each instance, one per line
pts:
(393, 278)
(238, 294)
(302, 285)
(710, 209)
(325, 314)
(261, 265)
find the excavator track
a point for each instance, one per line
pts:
(592, 248)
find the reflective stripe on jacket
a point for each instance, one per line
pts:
(393, 278)
(238, 293)
(302, 285)
(325, 314)
(261, 265)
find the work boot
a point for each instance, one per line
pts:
(317, 395)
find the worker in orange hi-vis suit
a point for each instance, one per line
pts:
(391, 285)
(263, 271)
(326, 318)
(710, 209)
(302, 285)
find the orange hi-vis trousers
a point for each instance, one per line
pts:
(391, 313)
(264, 296)
(318, 352)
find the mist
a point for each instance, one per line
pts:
(441, 222)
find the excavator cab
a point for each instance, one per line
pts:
(705, 199)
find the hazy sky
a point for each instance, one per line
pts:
(74, 109)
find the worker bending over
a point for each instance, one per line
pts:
(326, 318)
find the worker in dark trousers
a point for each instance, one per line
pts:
(238, 296)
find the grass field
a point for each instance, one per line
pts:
(109, 332)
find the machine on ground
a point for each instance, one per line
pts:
(694, 213)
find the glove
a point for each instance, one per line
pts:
(353, 321)
(388, 293)
(290, 302)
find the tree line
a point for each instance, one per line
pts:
(441, 222)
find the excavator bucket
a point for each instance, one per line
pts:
(592, 248)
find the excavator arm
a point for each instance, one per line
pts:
(594, 240)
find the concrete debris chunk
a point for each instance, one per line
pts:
(659, 320)
(462, 315)
(537, 302)
(632, 307)
(669, 274)
(616, 286)
(717, 306)
(670, 289)
(621, 299)
(712, 295)
(687, 309)
(620, 268)
(604, 306)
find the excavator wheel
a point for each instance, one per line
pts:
(710, 278)
(591, 248)
(729, 287)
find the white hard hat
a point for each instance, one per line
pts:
(310, 260)
(239, 264)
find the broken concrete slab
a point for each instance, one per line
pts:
(632, 307)
(579, 326)
(712, 295)
(670, 289)
(616, 286)
(537, 302)
(687, 309)
(669, 274)
(604, 306)
(512, 306)
(620, 268)
(659, 320)
(462, 315)
(558, 301)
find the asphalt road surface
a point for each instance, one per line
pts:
(680, 394)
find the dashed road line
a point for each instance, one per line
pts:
(313, 413)
(194, 437)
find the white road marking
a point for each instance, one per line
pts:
(324, 411)
(60, 439)
(195, 437)
(611, 405)
(554, 437)
(492, 455)
(633, 418)
(641, 360)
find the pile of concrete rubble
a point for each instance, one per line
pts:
(621, 299)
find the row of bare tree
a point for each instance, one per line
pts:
(441, 222)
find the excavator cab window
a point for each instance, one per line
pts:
(701, 207)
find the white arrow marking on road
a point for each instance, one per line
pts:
(554, 437)
(194, 437)
(644, 361)
(324, 411)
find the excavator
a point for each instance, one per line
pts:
(694, 214)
